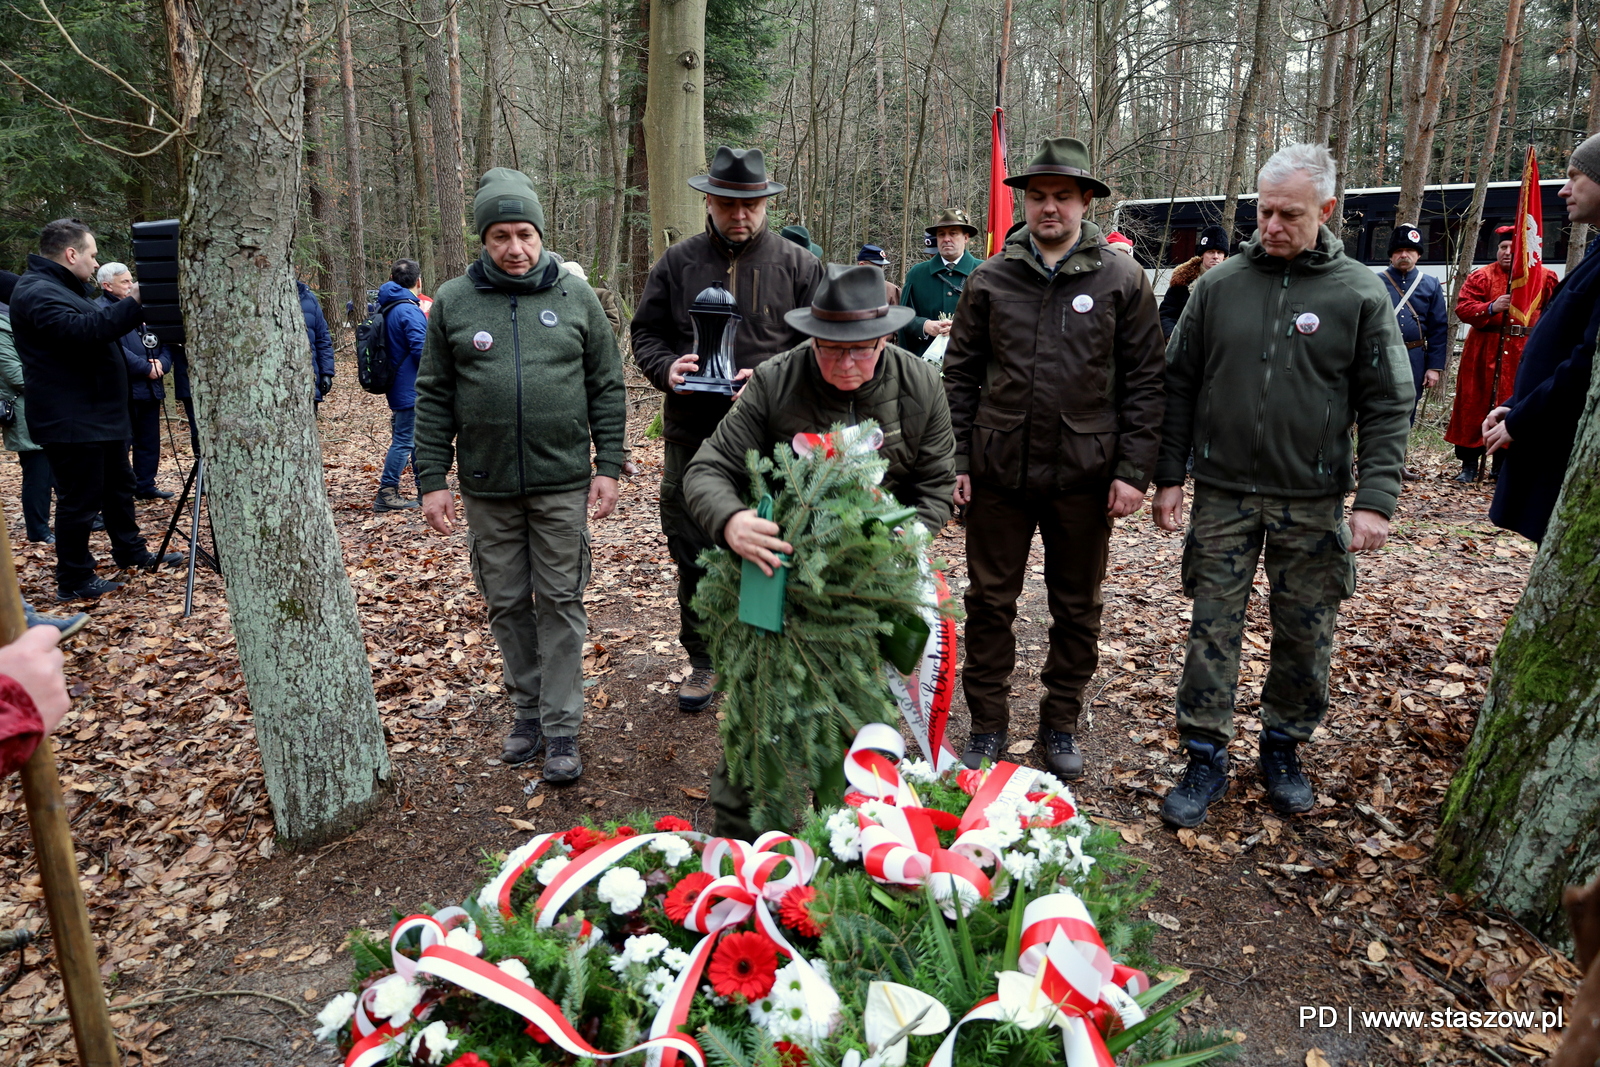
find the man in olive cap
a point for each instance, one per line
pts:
(1054, 375)
(768, 276)
(519, 374)
(933, 287)
(802, 237)
(846, 373)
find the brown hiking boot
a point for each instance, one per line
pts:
(697, 690)
(389, 499)
(525, 742)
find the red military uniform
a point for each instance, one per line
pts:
(1476, 389)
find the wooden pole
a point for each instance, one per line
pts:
(58, 867)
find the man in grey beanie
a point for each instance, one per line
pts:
(520, 388)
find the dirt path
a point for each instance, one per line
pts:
(1271, 916)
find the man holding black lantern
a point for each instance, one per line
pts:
(767, 277)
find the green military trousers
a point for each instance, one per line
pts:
(1309, 570)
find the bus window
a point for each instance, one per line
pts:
(1181, 250)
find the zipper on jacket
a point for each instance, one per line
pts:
(1266, 379)
(516, 350)
(1322, 443)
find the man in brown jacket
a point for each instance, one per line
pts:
(768, 277)
(1055, 377)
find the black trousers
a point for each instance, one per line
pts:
(37, 482)
(145, 415)
(93, 478)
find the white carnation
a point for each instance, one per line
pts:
(623, 888)
(335, 1015)
(438, 1041)
(516, 969)
(918, 770)
(1005, 824)
(844, 835)
(657, 984)
(396, 998)
(463, 941)
(674, 849)
(550, 868)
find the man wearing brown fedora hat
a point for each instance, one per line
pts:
(768, 276)
(1054, 375)
(934, 286)
(846, 373)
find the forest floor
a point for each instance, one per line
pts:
(218, 950)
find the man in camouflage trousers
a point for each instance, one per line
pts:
(1264, 400)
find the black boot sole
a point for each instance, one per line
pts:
(1180, 824)
(691, 705)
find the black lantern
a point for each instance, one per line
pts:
(716, 318)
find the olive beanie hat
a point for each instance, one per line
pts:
(506, 195)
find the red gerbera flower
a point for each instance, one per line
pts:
(794, 911)
(470, 1059)
(743, 964)
(681, 897)
(535, 1031)
(790, 1054)
(672, 824)
(581, 838)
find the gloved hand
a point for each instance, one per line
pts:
(324, 384)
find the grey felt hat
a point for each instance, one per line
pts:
(740, 173)
(850, 305)
(1061, 155)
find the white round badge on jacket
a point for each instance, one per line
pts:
(481, 340)
(1307, 323)
(1083, 303)
(547, 317)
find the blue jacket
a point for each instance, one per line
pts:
(316, 333)
(138, 357)
(405, 327)
(1424, 318)
(1547, 404)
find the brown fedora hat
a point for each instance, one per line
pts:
(1067, 156)
(951, 216)
(737, 172)
(849, 305)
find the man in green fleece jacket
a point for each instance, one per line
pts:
(1279, 351)
(519, 373)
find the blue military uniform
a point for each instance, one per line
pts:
(1423, 316)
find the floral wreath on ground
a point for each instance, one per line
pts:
(969, 918)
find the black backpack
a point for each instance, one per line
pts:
(372, 353)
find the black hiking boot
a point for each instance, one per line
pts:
(1061, 756)
(1205, 779)
(562, 764)
(1287, 789)
(982, 747)
(525, 742)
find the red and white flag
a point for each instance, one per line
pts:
(1000, 195)
(1527, 248)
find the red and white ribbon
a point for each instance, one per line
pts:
(518, 863)
(923, 696)
(1063, 914)
(872, 773)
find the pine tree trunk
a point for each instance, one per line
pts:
(483, 142)
(1522, 819)
(674, 123)
(447, 161)
(352, 166)
(292, 609)
(1247, 108)
(423, 223)
(1424, 123)
(325, 246)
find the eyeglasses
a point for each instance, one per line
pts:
(859, 353)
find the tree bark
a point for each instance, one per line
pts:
(1344, 124)
(612, 153)
(1328, 75)
(1424, 121)
(422, 217)
(324, 245)
(352, 165)
(1246, 120)
(447, 163)
(1521, 816)
(674, 121)
(483, 141)
(292, 609)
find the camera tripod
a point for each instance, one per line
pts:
(195, 482)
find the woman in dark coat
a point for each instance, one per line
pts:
(1213, 246)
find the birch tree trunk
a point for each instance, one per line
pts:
(674, 120)
(293, 612)
(447, 161)
(352, 166)
(1520, 820)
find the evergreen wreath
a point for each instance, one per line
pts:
(794, 700)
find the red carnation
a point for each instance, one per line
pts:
(535, 1031)
(790, 1054)
(470, 1059)
(581, 838)
(743, 964)
(970, 782)
(671, 824)
(681, 897)
(624, 831)
(794, 911)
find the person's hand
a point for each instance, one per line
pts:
(936, 327)
(134, 292)
(1123, 500)
(963, 493)
(439, 508)
(681, 366)
(155, 369)
(756, 539)
(34, 662)
(1501, 302)
(1496, 435)
(1430, 379)
(1168, 508)
(324, 384)
(1368, 530)
(602, 496)
(738, 381)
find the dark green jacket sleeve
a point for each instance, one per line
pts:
(1185, 372)
(436, 406)
(1381, 393)
(715, 483)
(966, 362)
(608, 397)
(933, 478)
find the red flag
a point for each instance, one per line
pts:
(1527, 248)
(1000, 197)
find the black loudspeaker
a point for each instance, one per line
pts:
(155, 264)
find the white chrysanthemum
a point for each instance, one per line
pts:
(1077, 863)
(844, 835)
(516, 969)
(1049, 783)
(623, 888)
(918, 770)
(1078, 825)
(788, 1017)
(335, 1015)
(674, 849)
(1023, 866)
(550, 868)
(436, 1037)
(657, 984)
(761, 1010)
(396, 998)
(462, 941)
(876, 810)
(675, 958)
(1005, 823)
(642, 948)
(1048, 845)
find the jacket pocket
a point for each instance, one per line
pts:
(999, 444)
(1088, 447)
